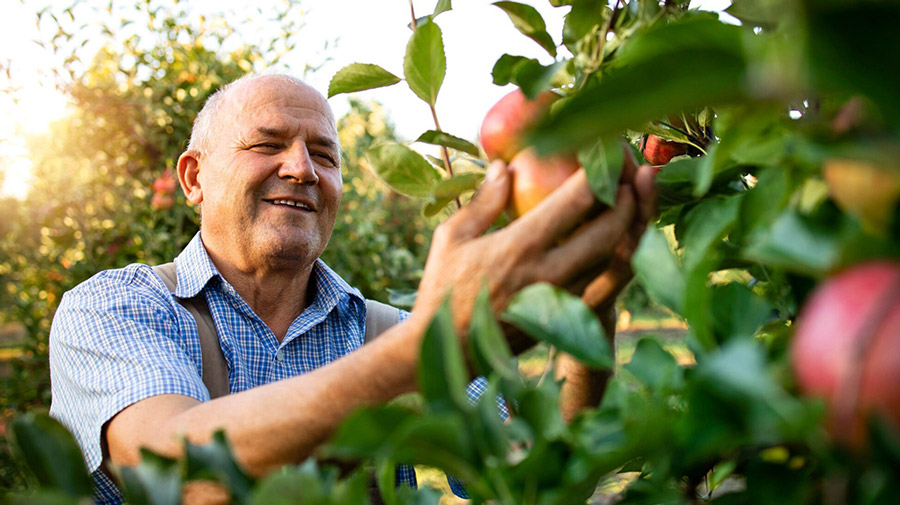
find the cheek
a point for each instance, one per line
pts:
(333, 188)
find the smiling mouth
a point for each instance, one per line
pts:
(292, 204)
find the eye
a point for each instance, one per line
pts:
(325, 156)
(266, 146)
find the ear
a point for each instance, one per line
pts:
(188, 171)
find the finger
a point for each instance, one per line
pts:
(629, 165)
(646, 192)
(594, 242)
(556, 215)
(604, 289)
(485, 207)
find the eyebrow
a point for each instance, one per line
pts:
(319, 140)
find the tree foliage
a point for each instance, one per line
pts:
(789, 176)
(95, 201)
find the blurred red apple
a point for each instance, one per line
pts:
(165, 183)
(162, 201)
(846, 348)
(507, 121)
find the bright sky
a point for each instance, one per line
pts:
(375, 31)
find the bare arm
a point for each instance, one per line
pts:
(277, 423)
(584, 387)
(285, 421)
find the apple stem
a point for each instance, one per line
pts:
(412, 12)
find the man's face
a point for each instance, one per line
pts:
(271, 181)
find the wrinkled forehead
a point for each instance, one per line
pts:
(273, 98)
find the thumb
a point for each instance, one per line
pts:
(487, 204)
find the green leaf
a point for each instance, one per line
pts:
(402, 297)
(657, 270)
(552, 315)
(534, 78)
(51, 454)
(764, 203)
(488, 347)
(425, 64)
(424, 495)
(360, 77)
(447, 190)
(156, 481)
(215, 460)
(386, 478)
(528, 74)
(843, 41)
(738, 312)
(765, 13)
(365, 433)
(306, 484)
(42, 497)
(488, 431)
(403, 169)
(738, 370)
(655, 367)
(703, 64)
(529, 22)
(603, 164)
(445, 139)
(704, 227)
(539, 407)
(796, 243)
(585, 17)
(442, 370)
(440, 440)
(442, 6)
(504, 70)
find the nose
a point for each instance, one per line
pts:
(298, 165)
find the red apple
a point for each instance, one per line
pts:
(506, 122)
(165, 183)
(162, 201)
(534, 178)
(846, 348)
(658, 151)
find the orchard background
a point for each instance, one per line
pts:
(776, 247)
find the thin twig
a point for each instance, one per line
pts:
(597, 56)
(445, 155)
(551, 355)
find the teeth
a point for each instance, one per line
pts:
(290, 203)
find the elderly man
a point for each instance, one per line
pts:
(263, 164)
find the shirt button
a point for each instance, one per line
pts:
(279, 356)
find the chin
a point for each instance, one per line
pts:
(293, 248)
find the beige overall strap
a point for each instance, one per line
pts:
(215, 368)
(379, 317)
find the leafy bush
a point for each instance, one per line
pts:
(789, 177)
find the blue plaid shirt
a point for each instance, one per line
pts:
(121, 337)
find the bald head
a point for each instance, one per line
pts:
(227, 100)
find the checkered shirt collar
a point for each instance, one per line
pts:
(195, 269)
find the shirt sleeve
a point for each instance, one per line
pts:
(117, 339)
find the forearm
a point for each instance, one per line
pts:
(584, 386)
(282, 422)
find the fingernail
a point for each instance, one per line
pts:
(495, 170)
